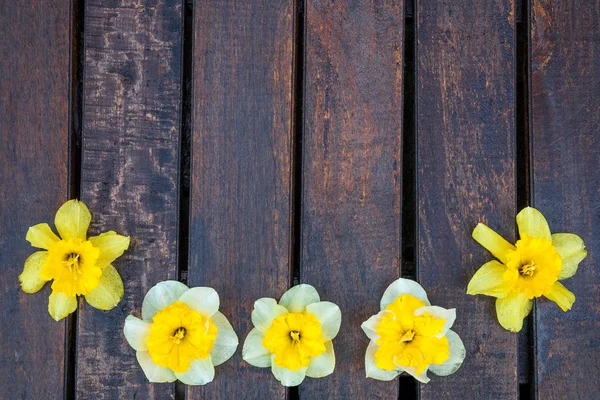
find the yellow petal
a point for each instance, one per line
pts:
(512, 309)
(493, 242)
(72, 220)
(41, 236)
(60, 305)
(30, 278)
(109, 291)
(111, 247)
(572, 251)
(489, 280)
(561, 296)
(532, 223)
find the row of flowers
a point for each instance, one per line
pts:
(182, 335)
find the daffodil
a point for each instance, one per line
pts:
(293, 337)
(531, 268)
(182, 335)
(76, 265)
(410, 335)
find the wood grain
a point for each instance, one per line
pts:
(240, 234)
(131, 130)
(565, 145)
(351, 175)
(35, 75)
(465, 175)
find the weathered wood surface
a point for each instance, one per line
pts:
(240, 233)
(465, 175)
(565, 145)
(35, 75)
(131, 129)
(351, 175)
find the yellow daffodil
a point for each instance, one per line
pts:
(75, 264)
(410, 335)
(182, 335)
(531, 268)
(293, 337)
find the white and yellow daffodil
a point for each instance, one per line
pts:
(530, 268)
(77, 265)
(293, 337)
(182, 335)
(410, 335)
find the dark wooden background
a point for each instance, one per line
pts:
(250, 145)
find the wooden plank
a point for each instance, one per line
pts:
(241, 166)
(465, 175)
(131, 129)
(352, 175)
(35, 73)
(565, 145)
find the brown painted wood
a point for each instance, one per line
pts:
(240, 234)
(465, 175)
(565, 145)
(352, 175)
(131, 129)
(35, 73)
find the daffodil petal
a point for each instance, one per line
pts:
(298, 297)
(532, 223)
(111, 247)
(493, 242)
(512, 309)
(155, 373)
(439, 312)
(161, 295)
(401, 286)
(323, 364)
(109, 291)
(72, 220)
(205, 300)
(265, 311)
(136, 333)
(371, 368)
(370, 325)
(489, 280)
(561, 295)
(41, 236)
(253, 352)
(30, 278)
(60, 305)
(201, 372)
(226, 342)
(457, 355)
(287, 377)
(572, 251)
(329, 315)
(422, 377)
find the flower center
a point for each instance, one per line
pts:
(408, 336)
(293, 339)
(180, 335)
(527, 269)
(72, 263)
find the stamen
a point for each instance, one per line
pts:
(178, 335)
(408, 336)
(71, 261)
(295, 336)
(527, 269)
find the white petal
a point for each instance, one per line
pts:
(205, 300)
(136, 332)
(161, 295)
(457, 355)
(201, 372)
(322, 365)
(439, 312)
(154, 373)
(371, 368)
(265, 311)
(329, 315)
(297, 298)
(422, 377)
(370, 325)
(402, 286)
(287, 377)
(253, 352)
(226, 342)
